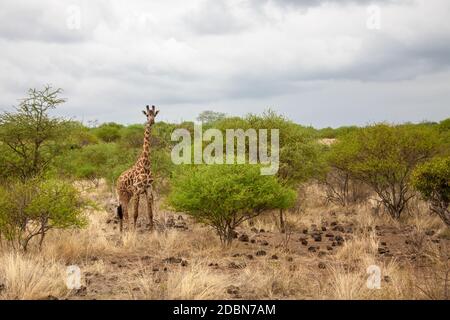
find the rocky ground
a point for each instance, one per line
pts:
(325, 254)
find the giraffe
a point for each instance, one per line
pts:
(138, 179)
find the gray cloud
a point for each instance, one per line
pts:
(232, 56)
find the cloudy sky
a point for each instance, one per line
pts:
(324, 63)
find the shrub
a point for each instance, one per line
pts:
(432, 180)
(383, 157)
(31, 209)
(108, 132)
(224, 196)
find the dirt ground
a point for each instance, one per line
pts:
(325, 254)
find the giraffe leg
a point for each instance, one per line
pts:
(136, 209)
(150, 198)
(124, 199)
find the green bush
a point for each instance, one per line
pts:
(31, 209)
(383, 157)
(223, 196)
(108, 132)
(432, 180)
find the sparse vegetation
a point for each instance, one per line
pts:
(432, 180)
(226, 196)
(52, 168)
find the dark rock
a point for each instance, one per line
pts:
(180, 218)
(262, 231)
(254, 230)
(305, 231)
(339, 229)
(81, 292)
(233, 290)
(334, 244)
(184, 263)
(250, 257)
(430, 233)
(387, 279)
(253, 241)
(384, 244)
(436, 241)
(234, 265)
(304, 242)
(236, 255)
(324, 229)
(155, 269)
(330, 248)
(317, 238)
(173, 260)
(329, 235)
(275, 257)
(264, 243)
(290, 259)
(334, 223)
(170, 223)
(244, 238)
(322, 265)
(180, 225)
(261, 253)
(312, 249)
(322, 254)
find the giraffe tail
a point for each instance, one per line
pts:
(120, 212)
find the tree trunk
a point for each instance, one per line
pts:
(282, 222)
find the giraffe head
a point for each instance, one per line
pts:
(151, 114)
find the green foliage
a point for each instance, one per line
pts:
(299, 151)
(330, 133)
(223, 196)
(208, 117)
(96, 161)
(383, 156)
(29, 137)
(32, 208)
(108, 132)
(132, 137)
(432, 180)
(80, 136)
(444, 125)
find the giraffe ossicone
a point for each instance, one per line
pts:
(138, 180)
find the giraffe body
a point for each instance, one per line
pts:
(138, 180)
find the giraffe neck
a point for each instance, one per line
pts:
(144, 159)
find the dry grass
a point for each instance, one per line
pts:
(27, 277)
(132, 265)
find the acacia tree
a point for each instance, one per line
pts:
(432, 180)
(299, 151)
(224, 196)
(29, 137)
(383, 157)
(30, 209)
